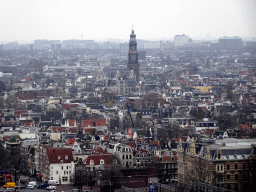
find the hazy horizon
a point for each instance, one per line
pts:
(28, 20)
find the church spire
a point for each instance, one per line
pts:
(132, 30)
(133, 56)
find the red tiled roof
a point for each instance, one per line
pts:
(98, 151)
(55, 155)
(5, 138)
(58, 129)
(27, 79)
(70, 141)
(18, 113)
(208, 131)
(29, 123)
(108, 159)
(94, 122)
(69, 106)
(72, 122)
(71, 130)
(90, 131)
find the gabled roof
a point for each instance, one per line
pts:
(108, 159)
(55, 155)
(94, 122)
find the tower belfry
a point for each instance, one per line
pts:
(133, 56)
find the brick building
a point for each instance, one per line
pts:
(227, 163)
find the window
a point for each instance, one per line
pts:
(236, 166)
(64, 179)
(219, 168)
(123, 156)
(114, 162)
(126, 156)
(91, 162)
(236, 177)
(56, 172)
(219, 177)
(67, 167)
(228, 177)
(58, 157)
(66, 157)
(228, 166)
(101, 161)
(62, 167)
(244, 167)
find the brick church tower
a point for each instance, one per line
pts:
(133, 56)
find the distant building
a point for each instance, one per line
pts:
(47, 44)
(151, 44)
(124, 48)
(181, 40)
(227, 163)
(79, 44)
(230, 42)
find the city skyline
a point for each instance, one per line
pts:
(100, 20)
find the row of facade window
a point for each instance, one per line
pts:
(65, 172)
(102, 162)
(62, 167)
(221, 167)
(220, 177)
(127, 157)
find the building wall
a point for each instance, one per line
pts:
(181, 40)
(62, 172)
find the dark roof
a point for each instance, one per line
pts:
(108, 159)
(56, 155)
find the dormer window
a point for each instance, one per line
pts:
(91, 162)
(66, 157)
(101, 161)
(115, 161)
(58, 157)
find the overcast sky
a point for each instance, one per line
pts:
(103, 19)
